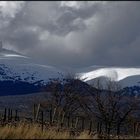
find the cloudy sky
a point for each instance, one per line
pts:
(75, 34)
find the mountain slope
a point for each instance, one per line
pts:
(19, 74)
(19, 67)
(124, 76)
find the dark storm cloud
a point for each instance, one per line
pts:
(73, 33)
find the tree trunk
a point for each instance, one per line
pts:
(118, 129)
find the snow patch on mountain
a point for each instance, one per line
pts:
(14, 66)
(122, 75)
(17, 67)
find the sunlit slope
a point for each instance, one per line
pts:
(125, 76)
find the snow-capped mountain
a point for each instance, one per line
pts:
(20, 72)
(14, 66)
(128, 78)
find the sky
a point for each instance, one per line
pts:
(73, 33)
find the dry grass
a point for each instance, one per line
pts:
(26, 131)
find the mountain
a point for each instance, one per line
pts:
(128, 78)
(125, 76)
(20, 75)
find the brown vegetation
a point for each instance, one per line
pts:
(33, 131)
(69, 113)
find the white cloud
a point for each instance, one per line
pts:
(44, 35)
(9, 8)
(73, 4)
(8, 11)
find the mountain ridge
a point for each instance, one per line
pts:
(16, 68)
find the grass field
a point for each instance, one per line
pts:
(26, 131)
(33, 131)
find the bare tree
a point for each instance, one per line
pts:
(110, 106)
(63, 97)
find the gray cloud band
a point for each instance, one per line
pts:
(75, 34)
